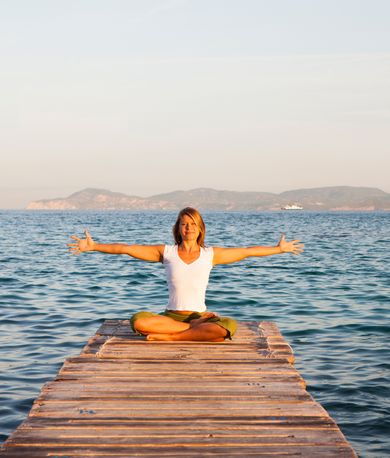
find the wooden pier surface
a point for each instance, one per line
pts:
(126, 397)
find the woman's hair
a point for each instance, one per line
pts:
(197, 218)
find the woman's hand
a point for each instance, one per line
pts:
(294, 247)
(81, 245)
(205, 317)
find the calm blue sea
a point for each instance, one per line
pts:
(331, 303)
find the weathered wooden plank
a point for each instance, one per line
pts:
(56, 428)
(158, 355)
(163, 398)
(217, 363)
(258, 365)
(164, 409)
(175, 450)
(222, 422)
(157, 386)
(158, 440)
(155, 377)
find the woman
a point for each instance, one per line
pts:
(188, 264)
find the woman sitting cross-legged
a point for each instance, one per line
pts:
(187, 264)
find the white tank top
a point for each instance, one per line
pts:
(187, 283)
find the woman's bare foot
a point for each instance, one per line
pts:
(156, 336)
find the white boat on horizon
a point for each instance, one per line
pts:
(292, 207)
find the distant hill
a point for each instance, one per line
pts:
(335, 198)
(97, 199)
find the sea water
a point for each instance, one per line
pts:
(331, 303)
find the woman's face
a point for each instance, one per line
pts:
(189, 230)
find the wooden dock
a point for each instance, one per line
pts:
(126, 397)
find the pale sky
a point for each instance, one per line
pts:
(145, 97)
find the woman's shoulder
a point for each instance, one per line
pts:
(168, 250)
(208, 251)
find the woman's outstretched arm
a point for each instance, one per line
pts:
(229, 255)
(152, 253)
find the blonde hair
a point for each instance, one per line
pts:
(197, 218)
